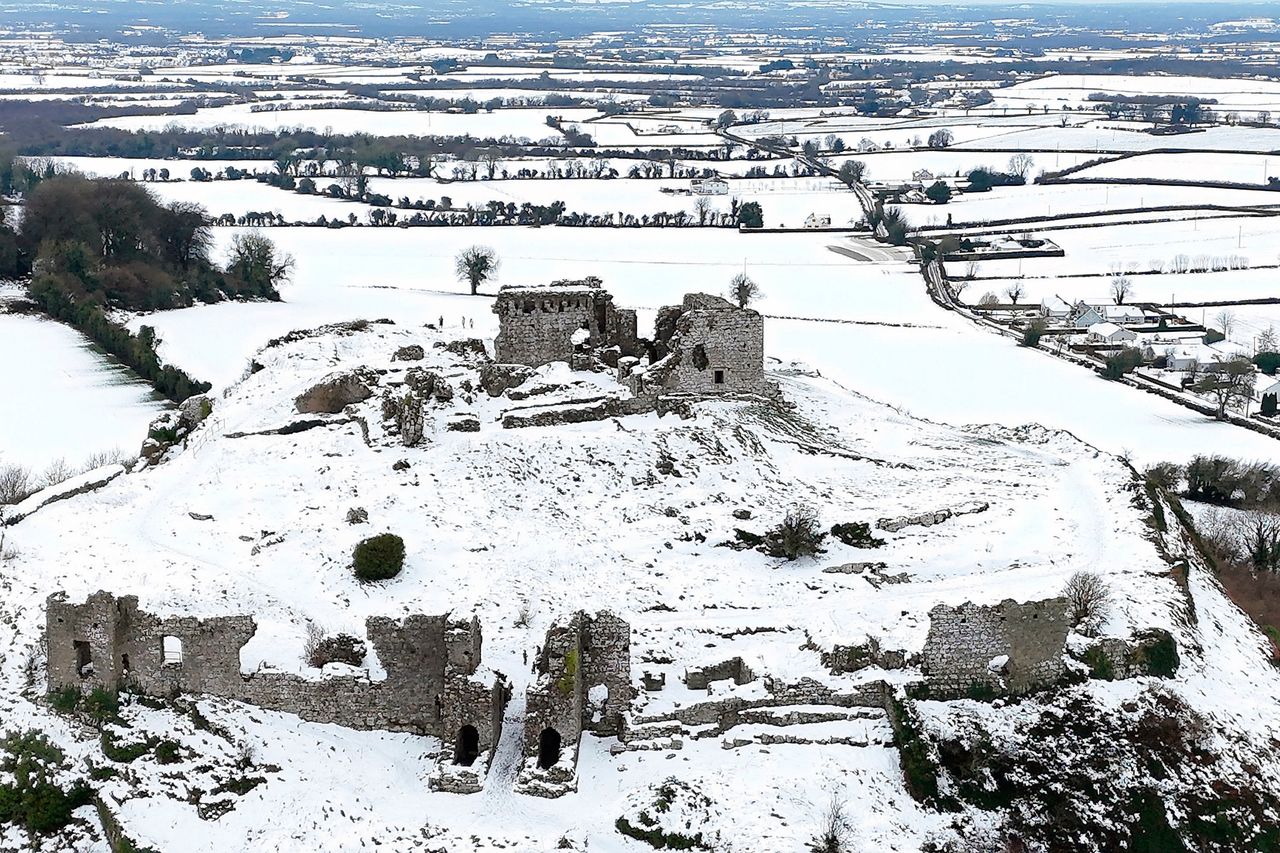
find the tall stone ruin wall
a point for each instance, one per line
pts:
(586, 652)
(707, 346)
(963, 641)
(429, 661)
(537, 325)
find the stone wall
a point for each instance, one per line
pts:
(709, 346)
(583, 684)
(964, 642)
(429, 663)
(537, 324)
(700, 678)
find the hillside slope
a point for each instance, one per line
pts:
(520, 527)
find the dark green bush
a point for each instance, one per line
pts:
(32, 801)
(102, 705)
(166, 752)
(379, 557)
(856, 534)
(124, 754)
(65, 700)
(1099, 664)
(1160, 655)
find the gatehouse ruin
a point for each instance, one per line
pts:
(583, 683)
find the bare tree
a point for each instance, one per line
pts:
(1226, 320)
(702, 207)
(1015, 292)
(1020, 164)
(1121, 286)
(1228, 384)
(15, 484)
(1089, 597)
(743, 290)
(971, 270)
(475, 266)
(988, 299)
(1259, 534)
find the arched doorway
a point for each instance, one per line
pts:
(548, 748)
(467, 748)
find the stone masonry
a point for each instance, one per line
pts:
(1009, 647)
(583, 684)
(431, 686)
(706, 345)
(539, 325)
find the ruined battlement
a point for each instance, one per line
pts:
(705, 346)
(1009, 647)
(539, 325)
(430, 662)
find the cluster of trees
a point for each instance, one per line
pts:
(93, 246)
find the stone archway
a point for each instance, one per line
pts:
(548, 748)
(467, 747)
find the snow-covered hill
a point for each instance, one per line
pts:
(522, 526)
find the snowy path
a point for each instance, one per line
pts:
(499, 795)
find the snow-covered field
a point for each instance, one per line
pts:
(520, 123)
(1072, 91)
(1233, 168)
(63, 400)
(912, 354)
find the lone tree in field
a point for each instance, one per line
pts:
(1020, 164)
(1014, 292)
(1226, 321)
(475, 266)
(1090, 600)
(260, 267)
(941, 139)
(743, 290)
(1121, 287)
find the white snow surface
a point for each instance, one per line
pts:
(549, 520)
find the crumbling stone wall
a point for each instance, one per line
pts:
(707, 345)
(429, 661)
(537, 325)
(700, 678)
(964, 641)
(583, 684)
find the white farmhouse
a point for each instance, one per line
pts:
(1086, 316)
(709, 186)
(1110, 333)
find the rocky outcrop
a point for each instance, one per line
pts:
(929, 519)
(412, 352)
(462, 422)
(471, 349)
(428, 383)
(173, 427)
(496, 379)
(333, 394)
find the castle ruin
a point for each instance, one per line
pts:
(563, 321)
(704, 346)
(583, 683)
(432, 686)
